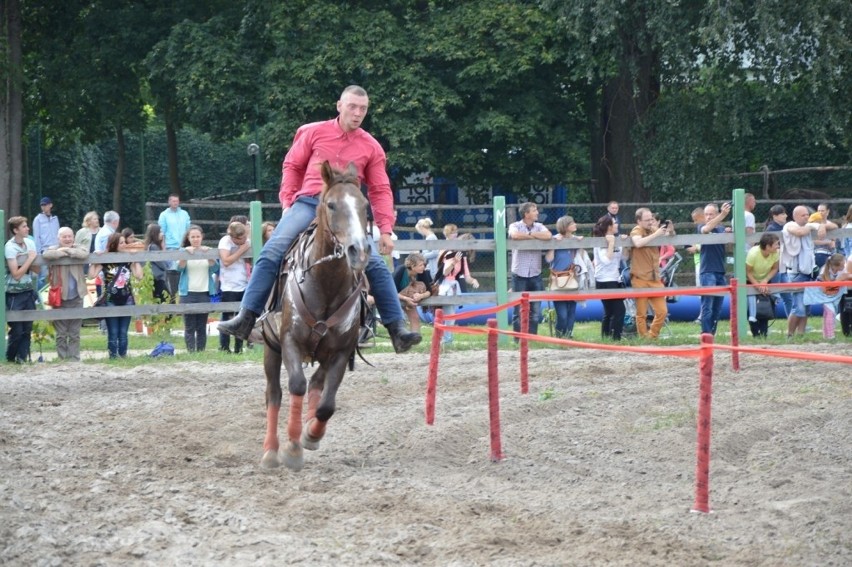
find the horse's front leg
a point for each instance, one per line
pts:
(331, 377)
(272, 369)
(297, 384)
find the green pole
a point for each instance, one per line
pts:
(739, 259)
(3, 303)
(501, 273)
(256, 219)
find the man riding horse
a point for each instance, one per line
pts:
(338, 141)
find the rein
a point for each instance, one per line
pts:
(336, 255)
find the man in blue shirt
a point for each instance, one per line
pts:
(45, 232)
(174, 223)
(111, 219)
(712, 270)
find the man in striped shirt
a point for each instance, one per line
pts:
(526, 264)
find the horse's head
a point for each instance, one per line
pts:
(343, 209)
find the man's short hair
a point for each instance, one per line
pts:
(354, 89)
(111, 216)
(768, 239)
(15, 223)
(526, 207)
(641, 211)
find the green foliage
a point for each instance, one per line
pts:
(79, 178)
(661, 98)
(161, 325)
(694, 144)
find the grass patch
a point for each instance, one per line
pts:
(92, 341)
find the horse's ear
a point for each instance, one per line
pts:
(327, 173)
(351, 169)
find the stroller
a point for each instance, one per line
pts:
(667, 275)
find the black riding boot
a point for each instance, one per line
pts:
(400, 337)
(240, 326)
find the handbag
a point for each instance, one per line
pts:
(564, 280)
(54, 295)
(765, 307)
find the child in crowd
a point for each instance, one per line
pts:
(154, 243)
(424, 229)
(266, 230)
(234, 274)
(197, 283)
(829, 297)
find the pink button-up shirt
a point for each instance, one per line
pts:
(320, 141)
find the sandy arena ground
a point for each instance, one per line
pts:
(160, 466)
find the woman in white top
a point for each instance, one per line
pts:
(233, 275)
(424, 229)
(197, 283)
(608, 276)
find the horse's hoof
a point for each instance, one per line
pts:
(294, 457)
(309, 443)
(270, 460)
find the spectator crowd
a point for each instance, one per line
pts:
(790, 250)
(191, 281)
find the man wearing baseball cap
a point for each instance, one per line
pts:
(45, 232)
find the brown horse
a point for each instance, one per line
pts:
(320, 294)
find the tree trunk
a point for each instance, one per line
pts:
(11, 110)
(171, 142)
(121, 160)
(626, 100)
(593, 114)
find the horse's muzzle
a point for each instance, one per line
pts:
(358, 253)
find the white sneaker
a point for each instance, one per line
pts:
(752, 319)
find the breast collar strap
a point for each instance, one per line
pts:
(320, 328)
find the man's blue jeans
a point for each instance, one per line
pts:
(799, 308)
(520, 284)
(293, 222)
(786, 296)
(711, 305)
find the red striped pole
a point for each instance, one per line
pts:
(494, 393)
(434, 355)
(525, 349)
(702, 450)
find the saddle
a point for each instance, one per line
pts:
(270, 320)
